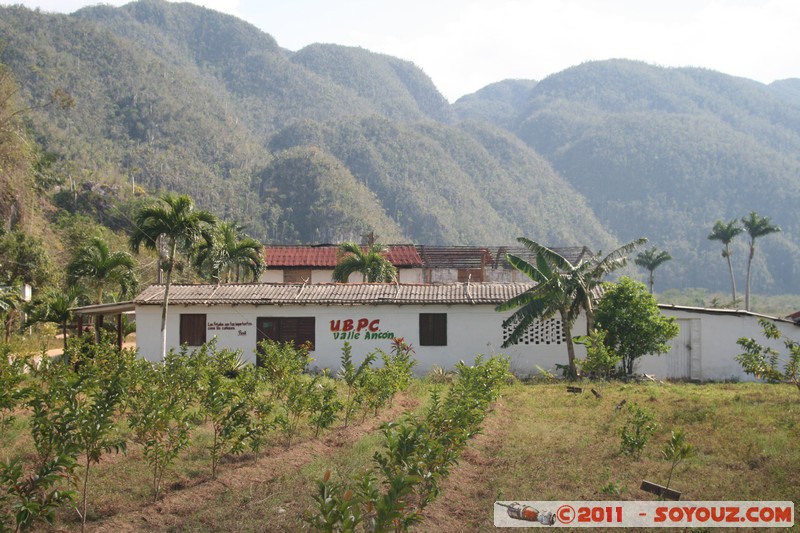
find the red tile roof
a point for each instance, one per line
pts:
(281, 256)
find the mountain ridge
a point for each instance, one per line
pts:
(597, 154)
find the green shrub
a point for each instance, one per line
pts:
(637, 430)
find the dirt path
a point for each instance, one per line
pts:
(60, 351)
(466, 501)
(248, 484)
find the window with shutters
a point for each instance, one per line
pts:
(296, 329)
(433, 329)
(193, 329)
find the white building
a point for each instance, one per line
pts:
(445, 323)
(706, 349)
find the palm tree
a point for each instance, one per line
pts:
(229, 252)
(372, 263)
(725, 233)
(96, 265)
(756, 227)
(181, 226)
(560, 287)
(650, 260)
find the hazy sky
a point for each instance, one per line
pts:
(464, 45)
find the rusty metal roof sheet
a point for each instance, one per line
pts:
(333, 293)
(455, 256)
(325, 255)
(573, 254)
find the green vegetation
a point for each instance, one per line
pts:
(639, 427)
(371, 263)
(650, 260)
(181, 227)
(725, 233)
(325, 143)
(632, 322)
(756, 227)
(764, 362)
(442, 447)
(560, 287)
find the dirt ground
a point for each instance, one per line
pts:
(466, 502)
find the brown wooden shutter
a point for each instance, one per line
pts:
(193, 329)
(433, 329)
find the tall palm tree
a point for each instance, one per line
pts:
(95, 265)
(756, 227)
(176, 221)
(560, 288)
(370, 262)
(725, 233)
(650, 260)
(228, 253)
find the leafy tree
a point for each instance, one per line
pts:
(634, 326)
(355, 378)
(756, 227)
(228, 253)
(725, 233)
(97, 266)
(24, 258)
(371, 263)
(650, 260)
(28, 499)
(181, 226)
(763, 362)
(601, 361)
(560, 288)
(159, 415)
(96, 423)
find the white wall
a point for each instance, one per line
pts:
(471, 330)
(714, 347)
(405, 275)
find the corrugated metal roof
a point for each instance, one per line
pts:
(573, 254)
(325, 256)
(455, 256)
(333, 293)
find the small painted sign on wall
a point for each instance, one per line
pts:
(359, 329)
(239, 327)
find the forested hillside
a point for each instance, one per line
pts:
(328, 142)
(666, 152)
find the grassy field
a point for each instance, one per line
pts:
(539, 442)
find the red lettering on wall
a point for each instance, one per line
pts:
(375, 325)
(336, 325)
(362, 323)
(348, 325)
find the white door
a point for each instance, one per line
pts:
(683, 360)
